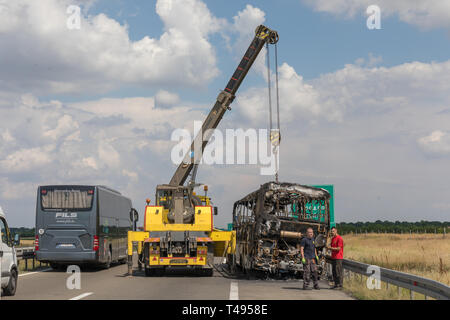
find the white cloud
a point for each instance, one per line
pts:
(166, 98)
(141, 112)
(108, 155)
(101, 55)
(246, 21)
(130, 174)
(90, 162)
(7, 137)
(244, 24)
(64, 126)
(370, 62)
(425, 14)
(122, 143)
(25, 160)
(193, 16)
(16, 191)
(438, 142)
(352, 89)
(296, 97)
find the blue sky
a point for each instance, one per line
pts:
(365, 110)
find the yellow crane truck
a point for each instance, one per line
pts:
(178, 230)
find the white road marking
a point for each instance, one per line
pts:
(81, 296)
(234, 291)
(28, 273)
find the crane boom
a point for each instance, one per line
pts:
(178, 230)
(263, 35)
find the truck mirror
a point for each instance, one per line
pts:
(216, 211)
(16, 239)
(134, 215)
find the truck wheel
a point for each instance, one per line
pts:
(160, 272)
(55, 266)
(208, 272)
(149, 272)
(10, 290)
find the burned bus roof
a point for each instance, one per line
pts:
(276, 190)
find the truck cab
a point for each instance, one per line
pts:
(9, 271)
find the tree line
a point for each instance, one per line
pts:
(23, 232)
(345, 227)
(393, 227)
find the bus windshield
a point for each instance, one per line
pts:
(67, 199)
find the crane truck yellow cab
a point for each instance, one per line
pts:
(179, 229)
(187, 240)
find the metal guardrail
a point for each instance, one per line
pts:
(427, 287)
(26, 253)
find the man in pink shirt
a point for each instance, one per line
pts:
(337, 254)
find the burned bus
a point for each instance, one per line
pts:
(81, 225)
(271, 221)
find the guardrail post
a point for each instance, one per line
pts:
(33, 263)
(411, 294)
(399, 292)
(426, 297)
(26, 264)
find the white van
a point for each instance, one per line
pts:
(9, 272)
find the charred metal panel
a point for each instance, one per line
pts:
(271, 221)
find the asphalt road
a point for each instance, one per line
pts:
(114, 283)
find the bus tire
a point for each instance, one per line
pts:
(55, 266)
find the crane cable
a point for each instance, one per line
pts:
(269, 87)
(275, 136)
(276, 82)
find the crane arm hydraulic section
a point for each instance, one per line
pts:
(263, 35)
